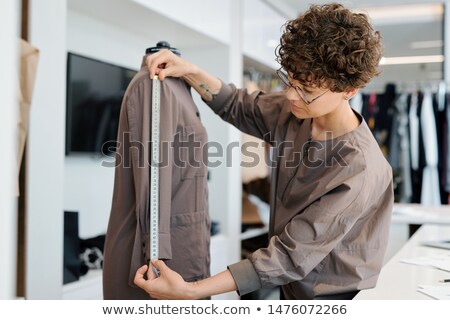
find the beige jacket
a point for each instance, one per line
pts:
(29, 57)
(184, 223)
(330, 210)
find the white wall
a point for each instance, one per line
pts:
(88, 185)
(262, 30)
(92, 37)
(45, 163)
(88, 190)
(9, 17)
(210, 17)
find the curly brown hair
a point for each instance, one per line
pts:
(330, 46)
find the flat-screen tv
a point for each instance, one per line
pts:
(94, 95)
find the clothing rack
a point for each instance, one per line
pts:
(396, 114)
(408, 86)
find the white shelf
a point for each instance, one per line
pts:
(88, 287)
(254, 232)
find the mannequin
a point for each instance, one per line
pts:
(184, 223)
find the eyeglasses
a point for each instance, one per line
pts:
(284, 78)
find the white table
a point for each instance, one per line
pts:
(400, 280)
(419, 214)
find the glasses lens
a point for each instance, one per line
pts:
(283, 77)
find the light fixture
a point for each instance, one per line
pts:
(400, 14)
(411, 60)
(426, 44)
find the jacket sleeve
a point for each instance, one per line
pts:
(120, 239)
(257, 114)
(140, 119)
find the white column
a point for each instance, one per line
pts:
(45, 163)
(234, 183)
(236, 42)
(9, 22)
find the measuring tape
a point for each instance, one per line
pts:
(154, 171)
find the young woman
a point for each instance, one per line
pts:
(332, 188)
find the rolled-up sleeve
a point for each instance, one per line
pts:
(245, 276)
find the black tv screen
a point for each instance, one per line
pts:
(94, 95)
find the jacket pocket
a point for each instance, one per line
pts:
(190, 151)
(190, 237)
(190, 193)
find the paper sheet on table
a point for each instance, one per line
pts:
(436, 292)
(441, 261)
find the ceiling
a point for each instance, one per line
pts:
(293, 7)
(408, 28)
(144, 22)
(402, 23)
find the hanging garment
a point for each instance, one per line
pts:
(399, 155)
(414, 131)
(430, 183)
(27, 73)
(394, 157)
(184, 223)
(447, 147)
(416, 145)
(383, 117)
(441, 133)
(371, 110)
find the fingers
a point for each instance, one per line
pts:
(151, 274)
(157, 62)
(169, 285)
(139, 279)
(160, 265)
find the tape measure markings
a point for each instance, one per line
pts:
(154, 169)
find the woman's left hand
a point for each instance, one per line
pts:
(168, 286)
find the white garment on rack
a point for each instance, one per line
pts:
(430, 183)
(357, 102)
(414, 131)
(402, 130)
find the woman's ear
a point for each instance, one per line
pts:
(350, 93)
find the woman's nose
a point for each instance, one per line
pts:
(291, 94)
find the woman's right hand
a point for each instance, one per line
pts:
(165, 63)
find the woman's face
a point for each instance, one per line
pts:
(312, 101)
